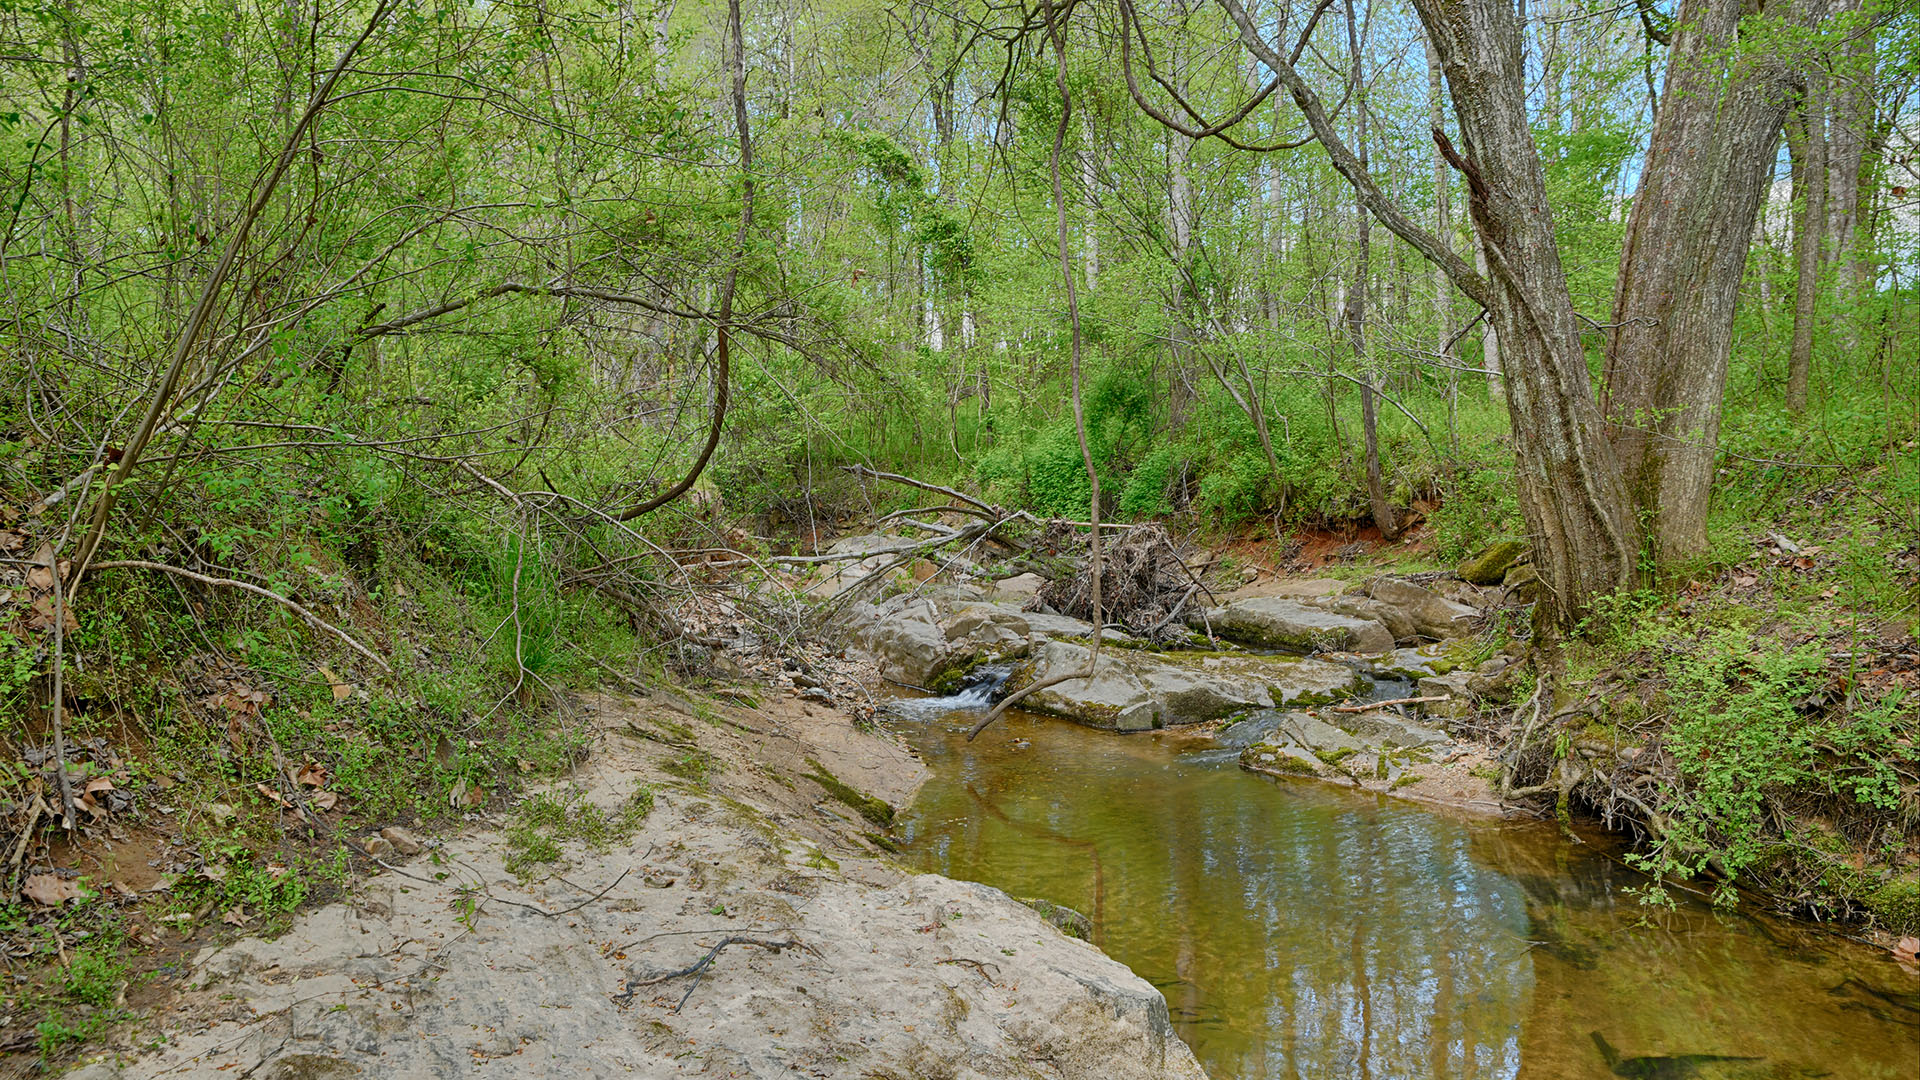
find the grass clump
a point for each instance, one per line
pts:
(696, 767)
(548, 819)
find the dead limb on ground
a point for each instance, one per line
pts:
(698, 968)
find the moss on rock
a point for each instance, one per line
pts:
(1896, 904)
(873, 809)
(1490, 564)
(1064, 919)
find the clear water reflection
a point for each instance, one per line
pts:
(1304, 932)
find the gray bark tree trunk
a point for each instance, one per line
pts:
(1590, 473)
(1571, 491)
(1849, 133)
(1807, 143)
(1706, 172)
(1356, 314)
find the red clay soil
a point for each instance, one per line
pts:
(1307, 550)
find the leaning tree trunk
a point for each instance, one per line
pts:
(1571, 491)
(1706, 171)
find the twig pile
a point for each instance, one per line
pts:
(1147, 587)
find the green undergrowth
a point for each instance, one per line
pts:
(221, 718)
(545, 821)
(1770, 694)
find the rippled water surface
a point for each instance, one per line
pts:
(1303, 931)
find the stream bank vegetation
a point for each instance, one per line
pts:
(373, 378)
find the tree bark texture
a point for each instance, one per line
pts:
(1706, 172)
(1807, 142)
(1849, 134)
(1571, 491)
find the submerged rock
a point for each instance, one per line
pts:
(1345, 748)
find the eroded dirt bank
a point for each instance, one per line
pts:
(831, 960)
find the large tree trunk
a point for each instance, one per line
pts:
(1442, 214)
(1850, 95)
(1377, 501)
(1571, 491)
(1807, 142)
(1686, 244)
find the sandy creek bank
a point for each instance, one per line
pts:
(450, 965)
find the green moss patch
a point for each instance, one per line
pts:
(873, 809)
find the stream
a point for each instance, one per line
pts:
(1300, 930)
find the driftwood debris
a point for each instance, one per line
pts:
(698, 968)
(1146, 587)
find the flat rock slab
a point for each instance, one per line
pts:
(1291, 588)
(1136, 691)
(1279, 623)
(1382, 726)
(1431, 614)
(1420, 662)
(459, 969)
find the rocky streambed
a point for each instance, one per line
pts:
(1349, 683)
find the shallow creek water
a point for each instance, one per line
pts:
(1303, 931)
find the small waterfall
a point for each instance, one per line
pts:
(976, 693)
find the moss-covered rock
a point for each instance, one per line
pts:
(1523, 581)
(875, 810)
(1896, 904)
(1064, 919)
(1490, 564)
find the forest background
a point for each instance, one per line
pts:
(462, 328)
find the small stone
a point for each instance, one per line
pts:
(378, 846)
(403, 841)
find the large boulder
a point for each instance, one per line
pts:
(1057, 626)
(1348, 748)
(1278, 623)
(912, 642)
(1490, 564)
(1361, 606)
(906, 643)
(1456, 690)
(1290, 588)
(1136, 691)
(1429, 613)
(1018, 589)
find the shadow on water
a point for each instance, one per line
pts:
(1302, 931)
